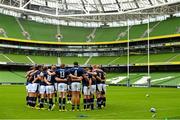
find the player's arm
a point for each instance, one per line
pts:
(60, 79)
(90, 82)
(51, 73)
(28, 73)
(75, 78)
(46, 81)
(104, 77)
(32, 73)
(37, 78)
(97, 77)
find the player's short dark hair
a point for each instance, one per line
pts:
(38, 67)
(75, 63)
(62, 66)
(91, 68)
(45, 68)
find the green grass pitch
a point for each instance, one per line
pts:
(122, 103)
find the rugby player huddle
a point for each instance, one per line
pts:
(44, 85)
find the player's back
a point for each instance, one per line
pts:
(77, 71)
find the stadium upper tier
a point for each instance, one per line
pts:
(24, 29)
(121, 60)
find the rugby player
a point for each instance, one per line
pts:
(33, 88)
(86, 83)
(62, 79)
(76, 75)
(92, 87)
(28, 83)
(42, 88)
(50, 88)
(101, 87)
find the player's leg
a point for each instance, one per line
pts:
(78, 89)
(103, 94)
(98, 95)
(73, 88)
(92, 95)
(84, 96)
(34, 94)
(60, 96)
(88, 98)
(30, 92)
(27, 95)
(55, 91)
(42, 94)
(51, 94)
(69, 94)
(64, 96)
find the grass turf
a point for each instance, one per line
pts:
(122, 102)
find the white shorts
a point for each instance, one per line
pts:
(50, 89)
(32, 87)
(75, 86)
(101, 87)
(62, 87)
(93, 89)
(56, 86)
(68, 87)
(86, 90)
(42, 89)
(29, 87)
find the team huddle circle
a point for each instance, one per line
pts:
(48, 86)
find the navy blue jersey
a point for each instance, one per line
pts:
(44, 75)
(93, 81)
(101, 75)
(63, 74)
(29, 79)
(77, 71)
(36, 74)
(69, 80)
(51, 78)
(85, 81)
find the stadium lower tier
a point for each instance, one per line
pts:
(105, 60)
(167, 78)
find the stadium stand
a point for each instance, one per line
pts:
(104, 60)
(70, 60)
(10, 26)
(47, 32)
(107, 34)
(161, 29)
(43, 59)
(77, 33)
(39, 31)
(12, 76)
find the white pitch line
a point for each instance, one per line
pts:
(30, 59)
(114, 60)
(173, 58)
(7, 58)
(87, 61)
(59, 60)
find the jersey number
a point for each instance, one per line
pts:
(62, 74)
(49, 78)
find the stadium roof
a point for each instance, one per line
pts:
(93, 10)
